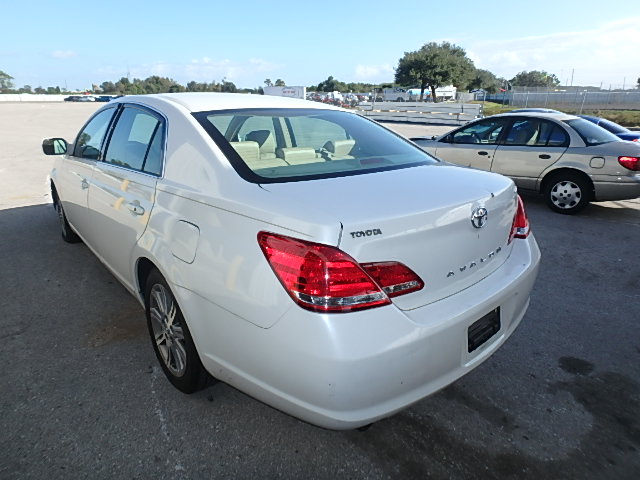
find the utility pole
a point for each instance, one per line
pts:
(572, 70)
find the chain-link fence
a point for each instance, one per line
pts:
(574, 99)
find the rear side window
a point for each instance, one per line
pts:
(536, 132)
(136, 141)
(89, 141)
(591, 133)
(281, 145)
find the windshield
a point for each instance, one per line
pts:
(280, 145)
(591, 133)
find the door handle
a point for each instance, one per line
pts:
(136, 208)
(84, 184)
(544, 156)
(482, 152)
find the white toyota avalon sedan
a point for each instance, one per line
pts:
(299, 252)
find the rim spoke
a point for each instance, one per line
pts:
(179, 355)
(164, 353)
(171, 313)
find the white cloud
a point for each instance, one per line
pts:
(374, 73)
(603, 54)
(63, 54)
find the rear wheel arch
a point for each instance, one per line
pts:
(559, 172)
(144, 268)
(567, 190)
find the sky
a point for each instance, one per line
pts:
(75, 44)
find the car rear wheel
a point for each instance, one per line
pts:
(567, 192)
(68, 235)
(171, 338)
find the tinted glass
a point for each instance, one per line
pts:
(485, 132)
(132, 139)
(591, 133)
(279, 145)
(612, 127)
(89, 141)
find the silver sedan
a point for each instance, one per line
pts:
(569, 160)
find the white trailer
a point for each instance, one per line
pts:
(293, 92)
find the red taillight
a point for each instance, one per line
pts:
(632, 163)
(520, 227)
(325, 279)
(394, 278)
(635, 139)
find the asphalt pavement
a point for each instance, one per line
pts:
(83, 395)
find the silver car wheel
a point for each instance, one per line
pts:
(565, 195)
(167, 330)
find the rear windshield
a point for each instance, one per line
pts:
(281, 145)
(591, 133)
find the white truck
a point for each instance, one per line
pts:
(442, 93)
(395, 94)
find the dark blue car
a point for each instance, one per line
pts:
(617, 130)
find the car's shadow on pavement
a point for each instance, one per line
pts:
(82, 392)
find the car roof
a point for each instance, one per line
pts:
(206, 101)
(555, 116)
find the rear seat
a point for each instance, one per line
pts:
(265, 140)
(250, 153)
(340, 149)
(298, 155)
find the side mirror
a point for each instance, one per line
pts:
(54, 146)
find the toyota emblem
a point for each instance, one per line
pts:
(479, 217)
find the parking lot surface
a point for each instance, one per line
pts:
(83, 395)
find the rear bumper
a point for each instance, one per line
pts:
(619, 188)
(344, 371)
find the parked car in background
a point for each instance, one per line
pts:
(618, 130)
(104, 98)
(80, 98)
(569, 160)
(300, 252)
(535, 110)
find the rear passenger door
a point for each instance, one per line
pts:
(529, 148)
(123, 186)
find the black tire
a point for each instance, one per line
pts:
(68, 235)
(567, 192)
(171, 338)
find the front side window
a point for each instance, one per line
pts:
(89, 142)
(280, 145)
(136, 142)
(486, 132)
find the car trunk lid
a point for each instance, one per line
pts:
(421, 217)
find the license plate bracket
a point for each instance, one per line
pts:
(482, 330)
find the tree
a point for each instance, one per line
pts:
(268, 82)
(280, 83)
(535, 78)
(435, 65)
(331, 85)
(5, 81)
(108, 87)
(638, 83)
(486, 80)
